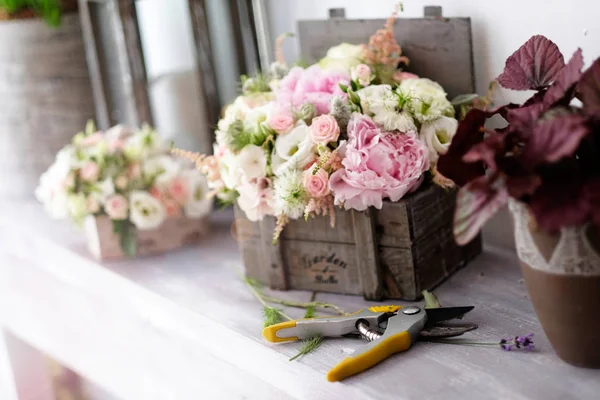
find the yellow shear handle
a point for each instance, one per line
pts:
(380, 351)
(270, 332)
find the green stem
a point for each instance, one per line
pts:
(461, 341)
(296, 304)
(260, 298)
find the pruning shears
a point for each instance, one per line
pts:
(388, 329)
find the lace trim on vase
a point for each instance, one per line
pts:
(573, 255)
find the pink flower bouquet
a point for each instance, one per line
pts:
(352, 131)
(128, 176)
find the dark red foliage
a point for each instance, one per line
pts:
(549, 154)
(534, 66)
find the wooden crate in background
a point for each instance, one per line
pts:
(405, 247)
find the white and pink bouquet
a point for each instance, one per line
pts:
(352, 130)
(129, 176)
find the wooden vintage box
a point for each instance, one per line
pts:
(395, 252)
(174, 232)
(405, 247)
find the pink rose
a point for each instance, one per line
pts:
(179, 190)
(172, 207)
(90, 172)
(281, 123)
(400, 76)
(324, 129)
(317, 185)
(134, 170)
(311, 85)
(116, 207)
(92, 140)
(377, 165)
(362, 73)
(116, 145)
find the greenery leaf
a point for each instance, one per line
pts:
(127, 236)
(308, 346)
(49, 10)
(431, 300)
(310, 312)
(273, 316)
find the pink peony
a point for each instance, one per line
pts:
(90, 172)
(324, 129)
(317, 185)
(281, 123)
(116, 207)
(377, 165)
(179, 190)
(311, 85)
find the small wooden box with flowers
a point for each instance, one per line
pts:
(129, 193)
(333, 166)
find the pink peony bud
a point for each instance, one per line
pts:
(281, 123)
(316, 185)
(324, 129)
(362, 73)
(116, 207)
(90, 172)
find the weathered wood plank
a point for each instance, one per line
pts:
(439, 49)
(319, 229)
(429, 209)
(401, 284)
(323, 267)
(174, 232)
(45, 98)
(272, 257)
(367, 256)
(393, 225)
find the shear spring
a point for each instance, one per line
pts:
(368, 334)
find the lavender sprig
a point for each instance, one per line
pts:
(518, 342)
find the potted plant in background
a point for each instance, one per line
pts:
(45, 92)
(546, 163)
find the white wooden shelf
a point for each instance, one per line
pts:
(184, 326)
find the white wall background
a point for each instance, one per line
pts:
(499, 26)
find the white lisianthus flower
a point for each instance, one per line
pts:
(290, 195)
(293, 150)
(377, 98)
(163, 167)
(256, 199)
(199, 204)
(256, 116)
(252, 161)
(143, 144)
(104, 190)
(228, 169)
(52, 190)
(426, 99)
(146, 212)
(342, 57)
(437, 136)
(395, 121)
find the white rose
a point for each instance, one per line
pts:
(426, 99)
(252, 161)
(437, 136)
(146, 212)
(377, 98)
(199, 205)
(342, 57)
(395, 121)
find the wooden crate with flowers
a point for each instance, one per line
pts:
(333, 167)
(129, 193)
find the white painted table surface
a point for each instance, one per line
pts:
(184, 326)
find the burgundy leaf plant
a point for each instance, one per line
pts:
(548, 155)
